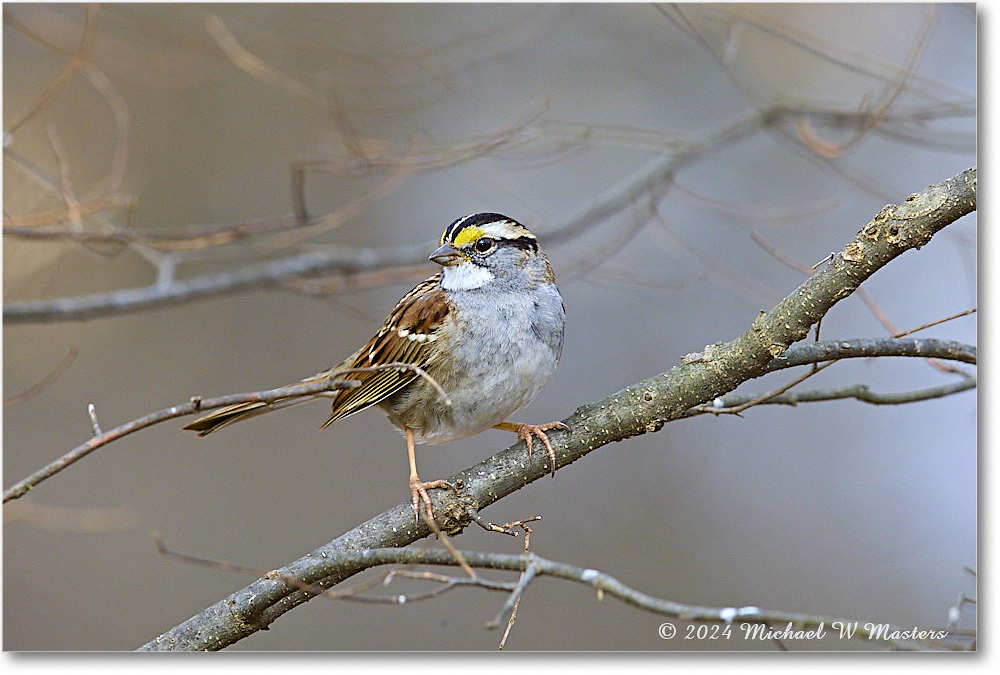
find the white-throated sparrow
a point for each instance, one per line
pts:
(488, 328)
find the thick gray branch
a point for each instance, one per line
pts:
(643, 407)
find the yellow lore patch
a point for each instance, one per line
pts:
(468, 235)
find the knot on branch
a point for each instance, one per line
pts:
(451, 509)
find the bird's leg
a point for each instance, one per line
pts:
(526, 431)
(417, 487)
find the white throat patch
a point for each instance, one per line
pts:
(465, 277)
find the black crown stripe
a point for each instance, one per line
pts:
(474, 220)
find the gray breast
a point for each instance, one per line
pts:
(508, 348)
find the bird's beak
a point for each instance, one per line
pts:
(446, 255)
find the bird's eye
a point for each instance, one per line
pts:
(484, 244)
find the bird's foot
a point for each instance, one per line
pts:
(419, 491)
(526, 432)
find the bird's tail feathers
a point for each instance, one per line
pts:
(230, 414)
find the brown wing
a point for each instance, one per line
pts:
(405, 337)
(419, 314)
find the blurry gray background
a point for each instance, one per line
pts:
(838, 508)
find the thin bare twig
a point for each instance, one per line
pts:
(719, 407)
(811, 42)
(110, 197)
(935, 323)
(92, 412)
(808, 353)
(39, 226)
(195, 405)
(123, 125)
(35, 226)
(489, 527)
(75, 209)
(527, 551)
(330, 593)
(531, 570)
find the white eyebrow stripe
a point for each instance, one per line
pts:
(505, 229)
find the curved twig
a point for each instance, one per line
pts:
(195, 405)
(69, 71)
(42, 384)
